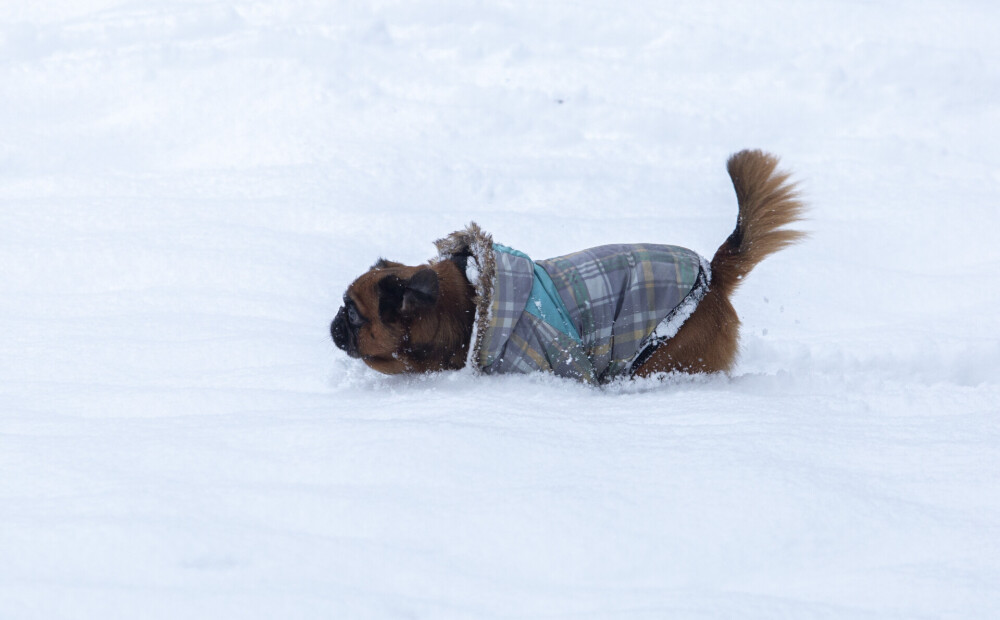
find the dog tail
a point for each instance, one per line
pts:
(768, 201)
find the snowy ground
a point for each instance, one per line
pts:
(186, 188)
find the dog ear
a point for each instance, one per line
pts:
(382, 263)
(421, 291)
(400, 298)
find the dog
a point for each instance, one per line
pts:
(596, 315)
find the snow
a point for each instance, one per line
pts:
(186, 189)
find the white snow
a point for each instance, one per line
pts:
(186, 189)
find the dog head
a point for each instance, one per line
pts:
(398, 318)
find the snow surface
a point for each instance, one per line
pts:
(186, 188)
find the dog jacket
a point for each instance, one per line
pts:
(593, 315)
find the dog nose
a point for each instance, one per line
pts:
(338, 329)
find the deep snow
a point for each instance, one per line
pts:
(186, 188)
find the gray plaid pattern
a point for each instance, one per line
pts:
(616, 295)
(512, 285)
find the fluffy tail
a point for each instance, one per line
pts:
(767, 203)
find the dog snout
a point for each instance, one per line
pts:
(338, 329)
(344, 336)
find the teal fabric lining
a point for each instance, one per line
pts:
(544, 301)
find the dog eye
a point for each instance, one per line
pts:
(353, 316)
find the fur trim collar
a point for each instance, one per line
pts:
(475, 244)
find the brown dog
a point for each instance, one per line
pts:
(594, 315)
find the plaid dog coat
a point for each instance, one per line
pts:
(593, 315)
